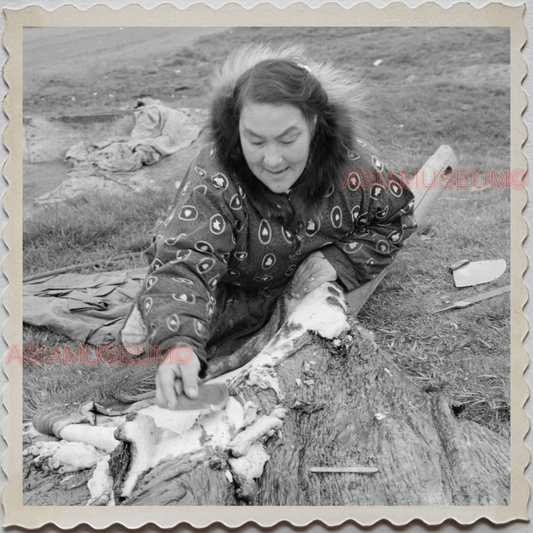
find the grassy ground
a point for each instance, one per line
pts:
(434, 86)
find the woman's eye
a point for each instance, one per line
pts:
(256, 143)
(286, 143)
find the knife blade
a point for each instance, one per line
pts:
(461, 304)
(467, 274)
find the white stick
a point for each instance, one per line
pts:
(343, 470)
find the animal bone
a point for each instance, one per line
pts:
(240, 445)
(101, 484)
(247, 468)
(64, 457)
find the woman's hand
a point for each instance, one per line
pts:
(177, 374)
(311, 273)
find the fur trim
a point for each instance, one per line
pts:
(341, 88)
(334, 133)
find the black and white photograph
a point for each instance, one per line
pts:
(270, 266)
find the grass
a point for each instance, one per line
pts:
(434, 86)
(463, 352)
(92, 227)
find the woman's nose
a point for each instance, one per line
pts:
(272, 156)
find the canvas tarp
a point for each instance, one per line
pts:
(88, 308)
(118, 164)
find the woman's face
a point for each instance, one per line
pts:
(275, 140)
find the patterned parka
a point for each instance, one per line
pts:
(222, 257)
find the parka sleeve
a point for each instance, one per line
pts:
(188, 259)
(381, 208)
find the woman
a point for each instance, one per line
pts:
(285, 195)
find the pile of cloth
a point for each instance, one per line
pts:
(88, 308)
(117, 164)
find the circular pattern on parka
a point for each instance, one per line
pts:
(219, 181)
(205, 265)
(290, 270)
(361, 142)
(188, 213)
(153, 331)
(184, 297)
(377, 163)
(148, 305)
(268, 261)
(173, 323)
(235, 202)
(330, 191)
(408, 208)
(395, 236)
(264, 278)
(371, 262)
(199, 328)
(201, 188)
(181, 255)
(363, 220)
(233, 273)
(217, 224)
(183, 280)
(383, 246)
(172, 241)
(352, 247)
(381, 214)
(240, 256)
(355, 212)
(376, 192)
(353, 180)
(201, 172)
(396, 189)
(265, 232)
(239, 226)
(336, 217)
(352, 156)
(204, 246)
(225, 257)
(312, 227)
(361, 232)
(287, 235)
(156, 263)
(150, 282)
(214, 281)
(209, 310)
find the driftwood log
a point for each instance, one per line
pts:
(321, 416)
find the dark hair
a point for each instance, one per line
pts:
(281, 82)
(277, 82)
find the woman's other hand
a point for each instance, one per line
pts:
(311, 273)
(177, 374)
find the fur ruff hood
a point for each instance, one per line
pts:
(333, 137)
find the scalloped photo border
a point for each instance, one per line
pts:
(397, 14)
